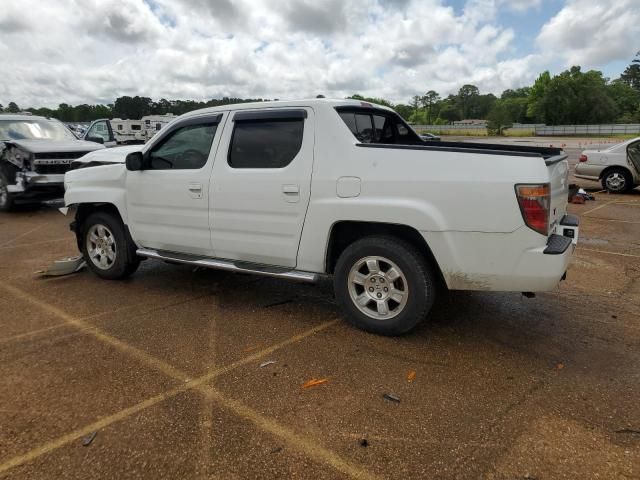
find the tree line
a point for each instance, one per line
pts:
(125, 107)
(571, 97)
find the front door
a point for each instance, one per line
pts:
(261, 185)
(168, 201)
(633, 152)
(101, 131)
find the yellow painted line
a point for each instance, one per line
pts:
(582, 249)
(44, 242)
(296, 441)
(32, 333)
(23, 235)
(613, 220)
(598, 207)
(292, 439)
(86, 430)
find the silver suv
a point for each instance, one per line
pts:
(35, 153)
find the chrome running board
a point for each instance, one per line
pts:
(240, 267)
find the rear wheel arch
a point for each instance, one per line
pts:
(344, 233)
(614, 167)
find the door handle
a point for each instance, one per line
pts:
(291, 193)
(195, 190)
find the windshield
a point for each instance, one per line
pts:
(36, 128)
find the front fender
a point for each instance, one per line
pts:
(97, 185)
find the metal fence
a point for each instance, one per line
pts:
(613, 129)
(446, 128)
(538, 129)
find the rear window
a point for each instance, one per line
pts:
(265, 143)
(369, 126)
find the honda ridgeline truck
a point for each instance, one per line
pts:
(342, 188)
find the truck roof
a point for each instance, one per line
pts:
(334, 102)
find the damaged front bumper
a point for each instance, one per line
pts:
(33, 184)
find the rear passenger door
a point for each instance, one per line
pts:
(260, 186)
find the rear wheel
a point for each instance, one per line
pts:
(106, 249)
(384, 284)
(6, 199)
(617, 180)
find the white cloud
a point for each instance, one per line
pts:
(86, 51)
(592, 33)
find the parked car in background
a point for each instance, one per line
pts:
(616, 167)
(430, 137)
(300, 190)
(35, 153)
(126, 132)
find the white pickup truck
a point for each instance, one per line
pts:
(313, 188)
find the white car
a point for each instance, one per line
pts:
(305, 189)
(617, 167)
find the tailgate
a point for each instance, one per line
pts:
(558, 168)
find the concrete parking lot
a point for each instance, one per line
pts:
(160, 375)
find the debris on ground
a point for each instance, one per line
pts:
(276, 450)
(65, 266)
(86, 441)
(364, 442)
(278, 303)
(411, 376)
(252, 348)
(268, 362)
(559, 366)
(581, 196)
(391, 397)
(630, 431)
(314, 382)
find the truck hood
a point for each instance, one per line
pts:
(106, 156)
(46, 146)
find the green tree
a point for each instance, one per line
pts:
(467, 96)
(415, 102)
(12, 108)
(536, 97)
(631, 75)
(132, 107)
(404, 110)
(430, 100)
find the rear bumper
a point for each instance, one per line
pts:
(519, 261)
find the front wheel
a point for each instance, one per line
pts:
(106, 249)
(617, 180)
(384, 284)
(6, 199)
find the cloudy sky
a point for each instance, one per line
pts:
(92, 51)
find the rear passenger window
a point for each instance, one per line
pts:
(265, 143)
(371, 127)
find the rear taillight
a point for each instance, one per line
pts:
(534, 201)
(583, 158)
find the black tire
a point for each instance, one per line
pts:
(616, 173)
(421, 285)
(6, 199)
(125, 261)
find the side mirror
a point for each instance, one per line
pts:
(95, 140)
(134, 161)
